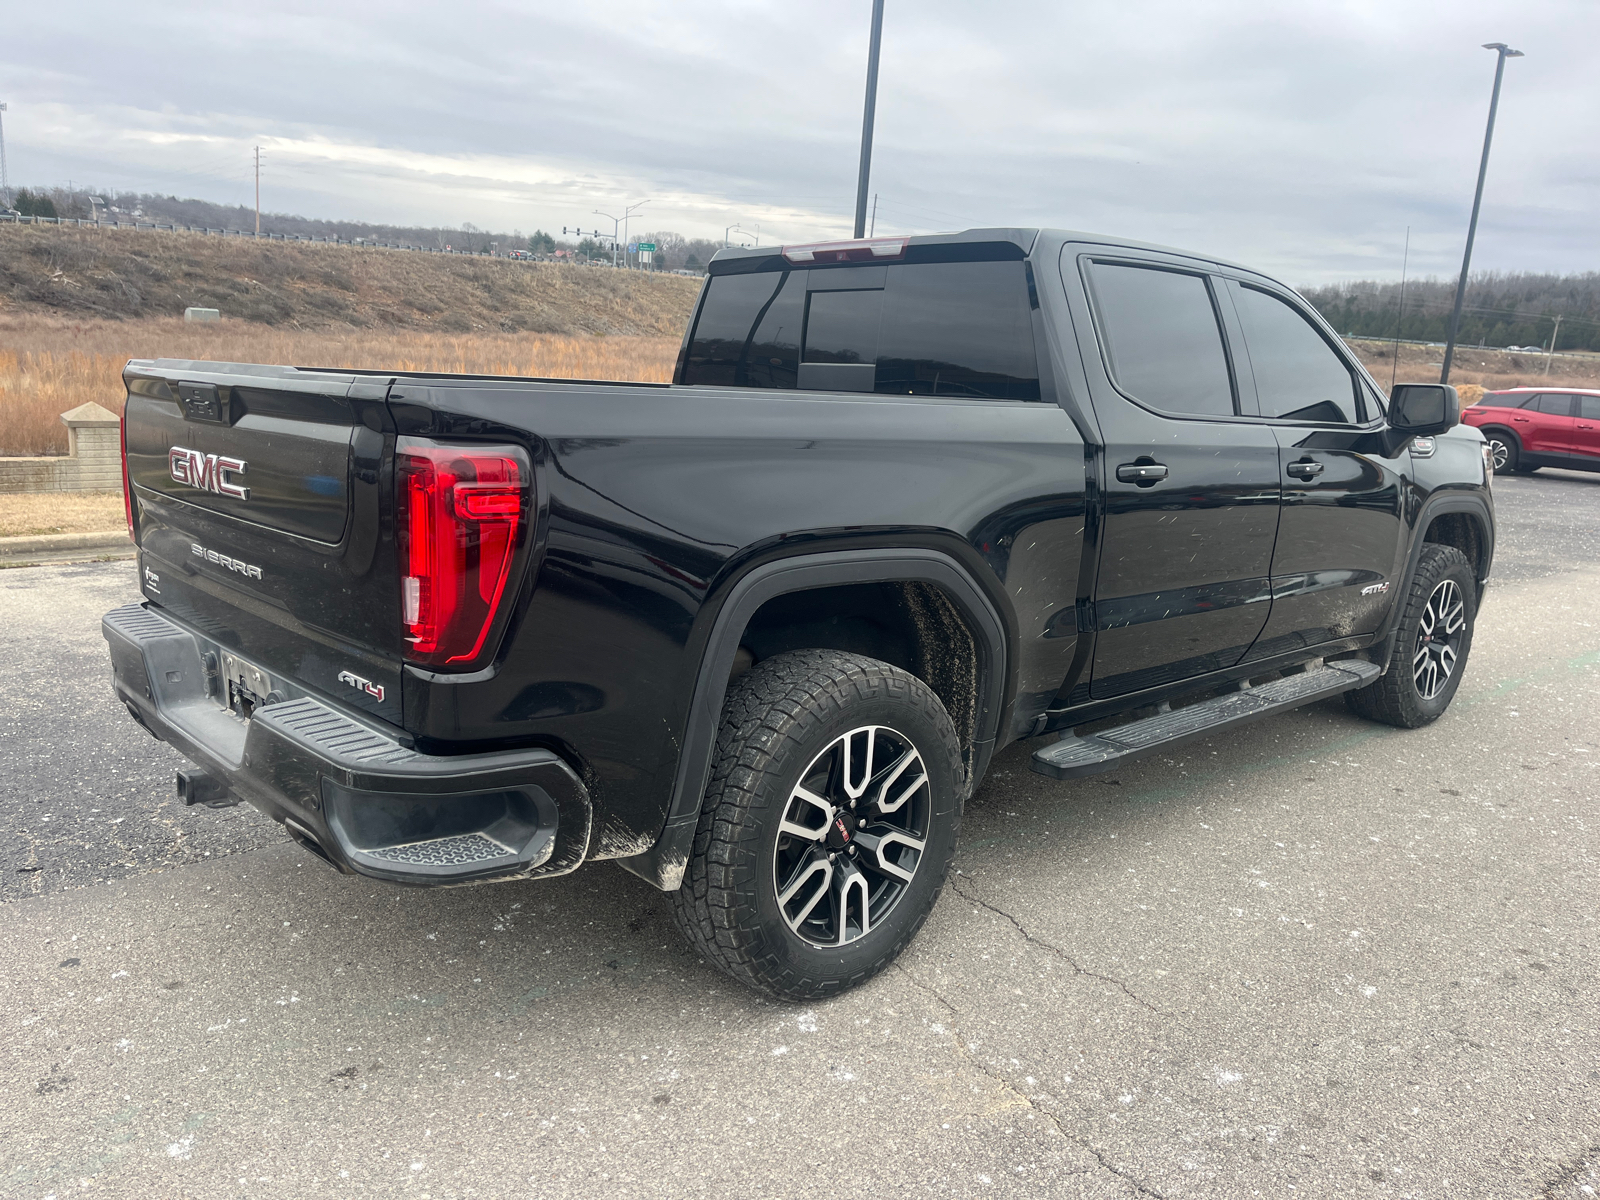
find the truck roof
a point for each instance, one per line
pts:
(738, 259)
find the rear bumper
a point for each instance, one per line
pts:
(348, 789)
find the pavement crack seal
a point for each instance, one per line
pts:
(1021, 1098)
(965, 894)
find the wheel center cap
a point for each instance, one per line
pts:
(842, 830)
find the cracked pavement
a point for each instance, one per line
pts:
(1311, 957)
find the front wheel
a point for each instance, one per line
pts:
(1431, 648)
(828, 825)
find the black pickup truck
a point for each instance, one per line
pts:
(756, 634)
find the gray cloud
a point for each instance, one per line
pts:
(1299, 138)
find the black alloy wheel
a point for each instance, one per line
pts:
(1439, 635)
(1431, 644)
(828, 824)
(852, 836)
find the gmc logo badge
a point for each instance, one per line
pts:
(208, 472)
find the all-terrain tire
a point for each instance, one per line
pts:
(781, 719)
(1400, 696)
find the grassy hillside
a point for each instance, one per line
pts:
(125, 274)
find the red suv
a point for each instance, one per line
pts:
(1529, 428)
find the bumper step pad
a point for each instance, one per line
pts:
(1075, 757)
(465, 851)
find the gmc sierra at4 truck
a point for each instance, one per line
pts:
(756, 634)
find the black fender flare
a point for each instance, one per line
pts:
(663, 864)
(1474, 504)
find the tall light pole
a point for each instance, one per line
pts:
(1504, 52)
(621, 222)
(5, 182)
(867, 117)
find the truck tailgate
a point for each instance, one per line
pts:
(260, 520)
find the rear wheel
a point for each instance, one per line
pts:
(1503, 451)
(1430, 651)
(828, 825)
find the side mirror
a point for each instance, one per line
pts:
(1423, 409)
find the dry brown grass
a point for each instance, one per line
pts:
(128, 275)
(29, 514)
(48, 366)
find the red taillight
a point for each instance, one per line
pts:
(857, 250)
(461, 512)
(127, 485)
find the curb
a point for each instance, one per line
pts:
(64, 547)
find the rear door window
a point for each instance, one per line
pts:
(1589, 408)
(1299, 376)
(1162, 339)
(1554, 404)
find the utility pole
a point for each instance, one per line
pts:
(5, 182)
(258, 191)
(1504, 52)
(867, 117)
(873, 228)
(1551, 353)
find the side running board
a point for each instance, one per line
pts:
(1075, 757)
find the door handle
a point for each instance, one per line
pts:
(1520, 420)
(1304, 470)
(1144, 474)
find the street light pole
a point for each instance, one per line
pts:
(867, 118)
(1504, 51)
(619, 223)
(5, 182)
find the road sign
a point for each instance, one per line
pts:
(648, 247)
(633, 247)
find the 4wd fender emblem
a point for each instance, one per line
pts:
(208, 472)
(374, 690)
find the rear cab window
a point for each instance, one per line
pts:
(955, 328)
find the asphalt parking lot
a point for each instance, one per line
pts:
(1313, 957)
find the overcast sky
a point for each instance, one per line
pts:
(1301, 138)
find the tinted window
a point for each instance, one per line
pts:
(842, 327)
(748, 334)
(934, 329)
(958, 329)
(1162, 340)
(1556, 404)
(1589, 408)
(1298, 375)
